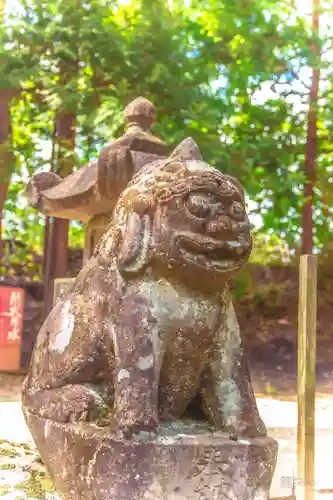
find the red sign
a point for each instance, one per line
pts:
(11, 316)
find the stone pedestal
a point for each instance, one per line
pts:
(185, 461)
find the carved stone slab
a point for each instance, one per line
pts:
(60, 287)
(179, 464)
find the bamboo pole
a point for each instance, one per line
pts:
(306, 390)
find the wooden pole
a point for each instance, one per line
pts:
(306, 390)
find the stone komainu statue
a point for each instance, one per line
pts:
(148, 325)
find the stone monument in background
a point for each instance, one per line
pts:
(139, 386)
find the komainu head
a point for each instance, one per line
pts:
(182, 214)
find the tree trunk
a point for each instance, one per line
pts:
(6, 156)
(65, 138)
(64, 141)
(56, 238)
(5, 152)
(311, 145)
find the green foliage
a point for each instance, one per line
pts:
(38, 485)
(21, 260)
(269, 250)
(242, 284)
(202, 63)
(7, 466)
(270, 297)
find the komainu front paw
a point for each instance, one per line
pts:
(84, 405)
(131, 422)
(250, 428)
(72, 403)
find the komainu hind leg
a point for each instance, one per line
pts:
(226, 387)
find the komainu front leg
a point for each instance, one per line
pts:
(135, 409)
(71, 403)
(136, 372)
(227, 389)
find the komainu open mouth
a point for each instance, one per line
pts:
(221, 254)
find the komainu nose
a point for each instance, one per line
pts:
(220, 226)
(241, 228)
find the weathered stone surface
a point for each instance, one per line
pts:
(147, 335)
(185, 462)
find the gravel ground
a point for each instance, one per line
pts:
(281, 420)
(22, 476)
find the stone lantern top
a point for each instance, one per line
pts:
(140, 112)
(95, 187)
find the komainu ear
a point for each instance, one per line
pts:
(135, 249)
(187, 150)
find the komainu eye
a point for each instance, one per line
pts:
(198, 206)
(237, 211)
